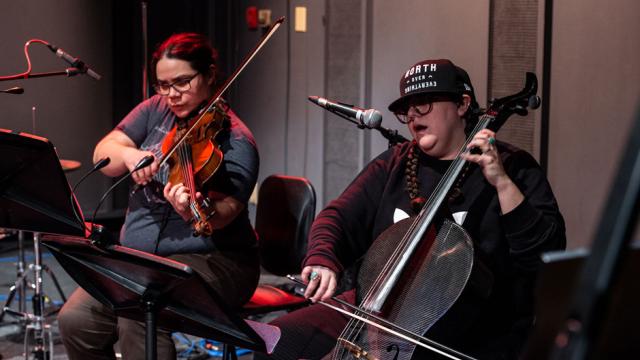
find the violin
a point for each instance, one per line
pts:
(195, 159)
(190, 149)
(405, 286)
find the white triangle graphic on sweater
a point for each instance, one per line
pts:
(398, 215)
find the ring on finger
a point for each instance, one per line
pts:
(314, 275)
(491, 141)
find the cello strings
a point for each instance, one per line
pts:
(354, 327)
(405, 242)
(410, 234)
(399, 334)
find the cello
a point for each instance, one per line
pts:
(405, 286)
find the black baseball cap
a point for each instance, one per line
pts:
(437, 77)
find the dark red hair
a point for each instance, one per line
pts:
(191, 47)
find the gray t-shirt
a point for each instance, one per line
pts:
(151, 224)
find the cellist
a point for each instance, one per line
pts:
(504, 202)
(158, 219)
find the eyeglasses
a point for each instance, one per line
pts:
(421, 106)
(419, 111)
(180, 85)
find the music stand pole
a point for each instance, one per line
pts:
(151, 340)
(22, 302)
(38, 307)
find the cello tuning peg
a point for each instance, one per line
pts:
(534, 102)
(520, 110)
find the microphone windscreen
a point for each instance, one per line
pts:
(372, 119)
(101, 163)
(144, 162)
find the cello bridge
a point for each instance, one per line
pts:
(355, 350)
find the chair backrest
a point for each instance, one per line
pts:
(285, 211)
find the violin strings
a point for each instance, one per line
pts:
(187, 170)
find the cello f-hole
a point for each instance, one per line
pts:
(393, 347)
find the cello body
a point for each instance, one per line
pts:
(432, 282)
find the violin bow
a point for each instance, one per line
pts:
(222, 89)
(388, 326)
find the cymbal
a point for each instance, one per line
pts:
(69, 165)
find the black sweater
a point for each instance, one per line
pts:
(509, 245)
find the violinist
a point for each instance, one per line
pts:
(505, 204)
(158, 218)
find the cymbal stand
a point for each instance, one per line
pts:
(20, 286)
(35, 323)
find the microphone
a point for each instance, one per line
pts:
(97, 231)
(13, 90)
(74, 61)
(370, 118)
(97, 166)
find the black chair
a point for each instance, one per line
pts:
(286, 208)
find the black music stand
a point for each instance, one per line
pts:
(34, 196)
(34, 192)
(136, 285)
(157, 291)
(557, 282)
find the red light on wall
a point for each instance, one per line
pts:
(252, 18)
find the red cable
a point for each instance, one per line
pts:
(26, 54)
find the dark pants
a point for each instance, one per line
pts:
(312, 333)
(89, 329)
(308, 333)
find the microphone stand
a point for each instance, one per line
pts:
(67, 72)
(392, 135)
(349, 119)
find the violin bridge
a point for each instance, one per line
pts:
(355, 350)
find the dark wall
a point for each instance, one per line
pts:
(74, 113)
(164, 18)
(271, 94)
(595, 96)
